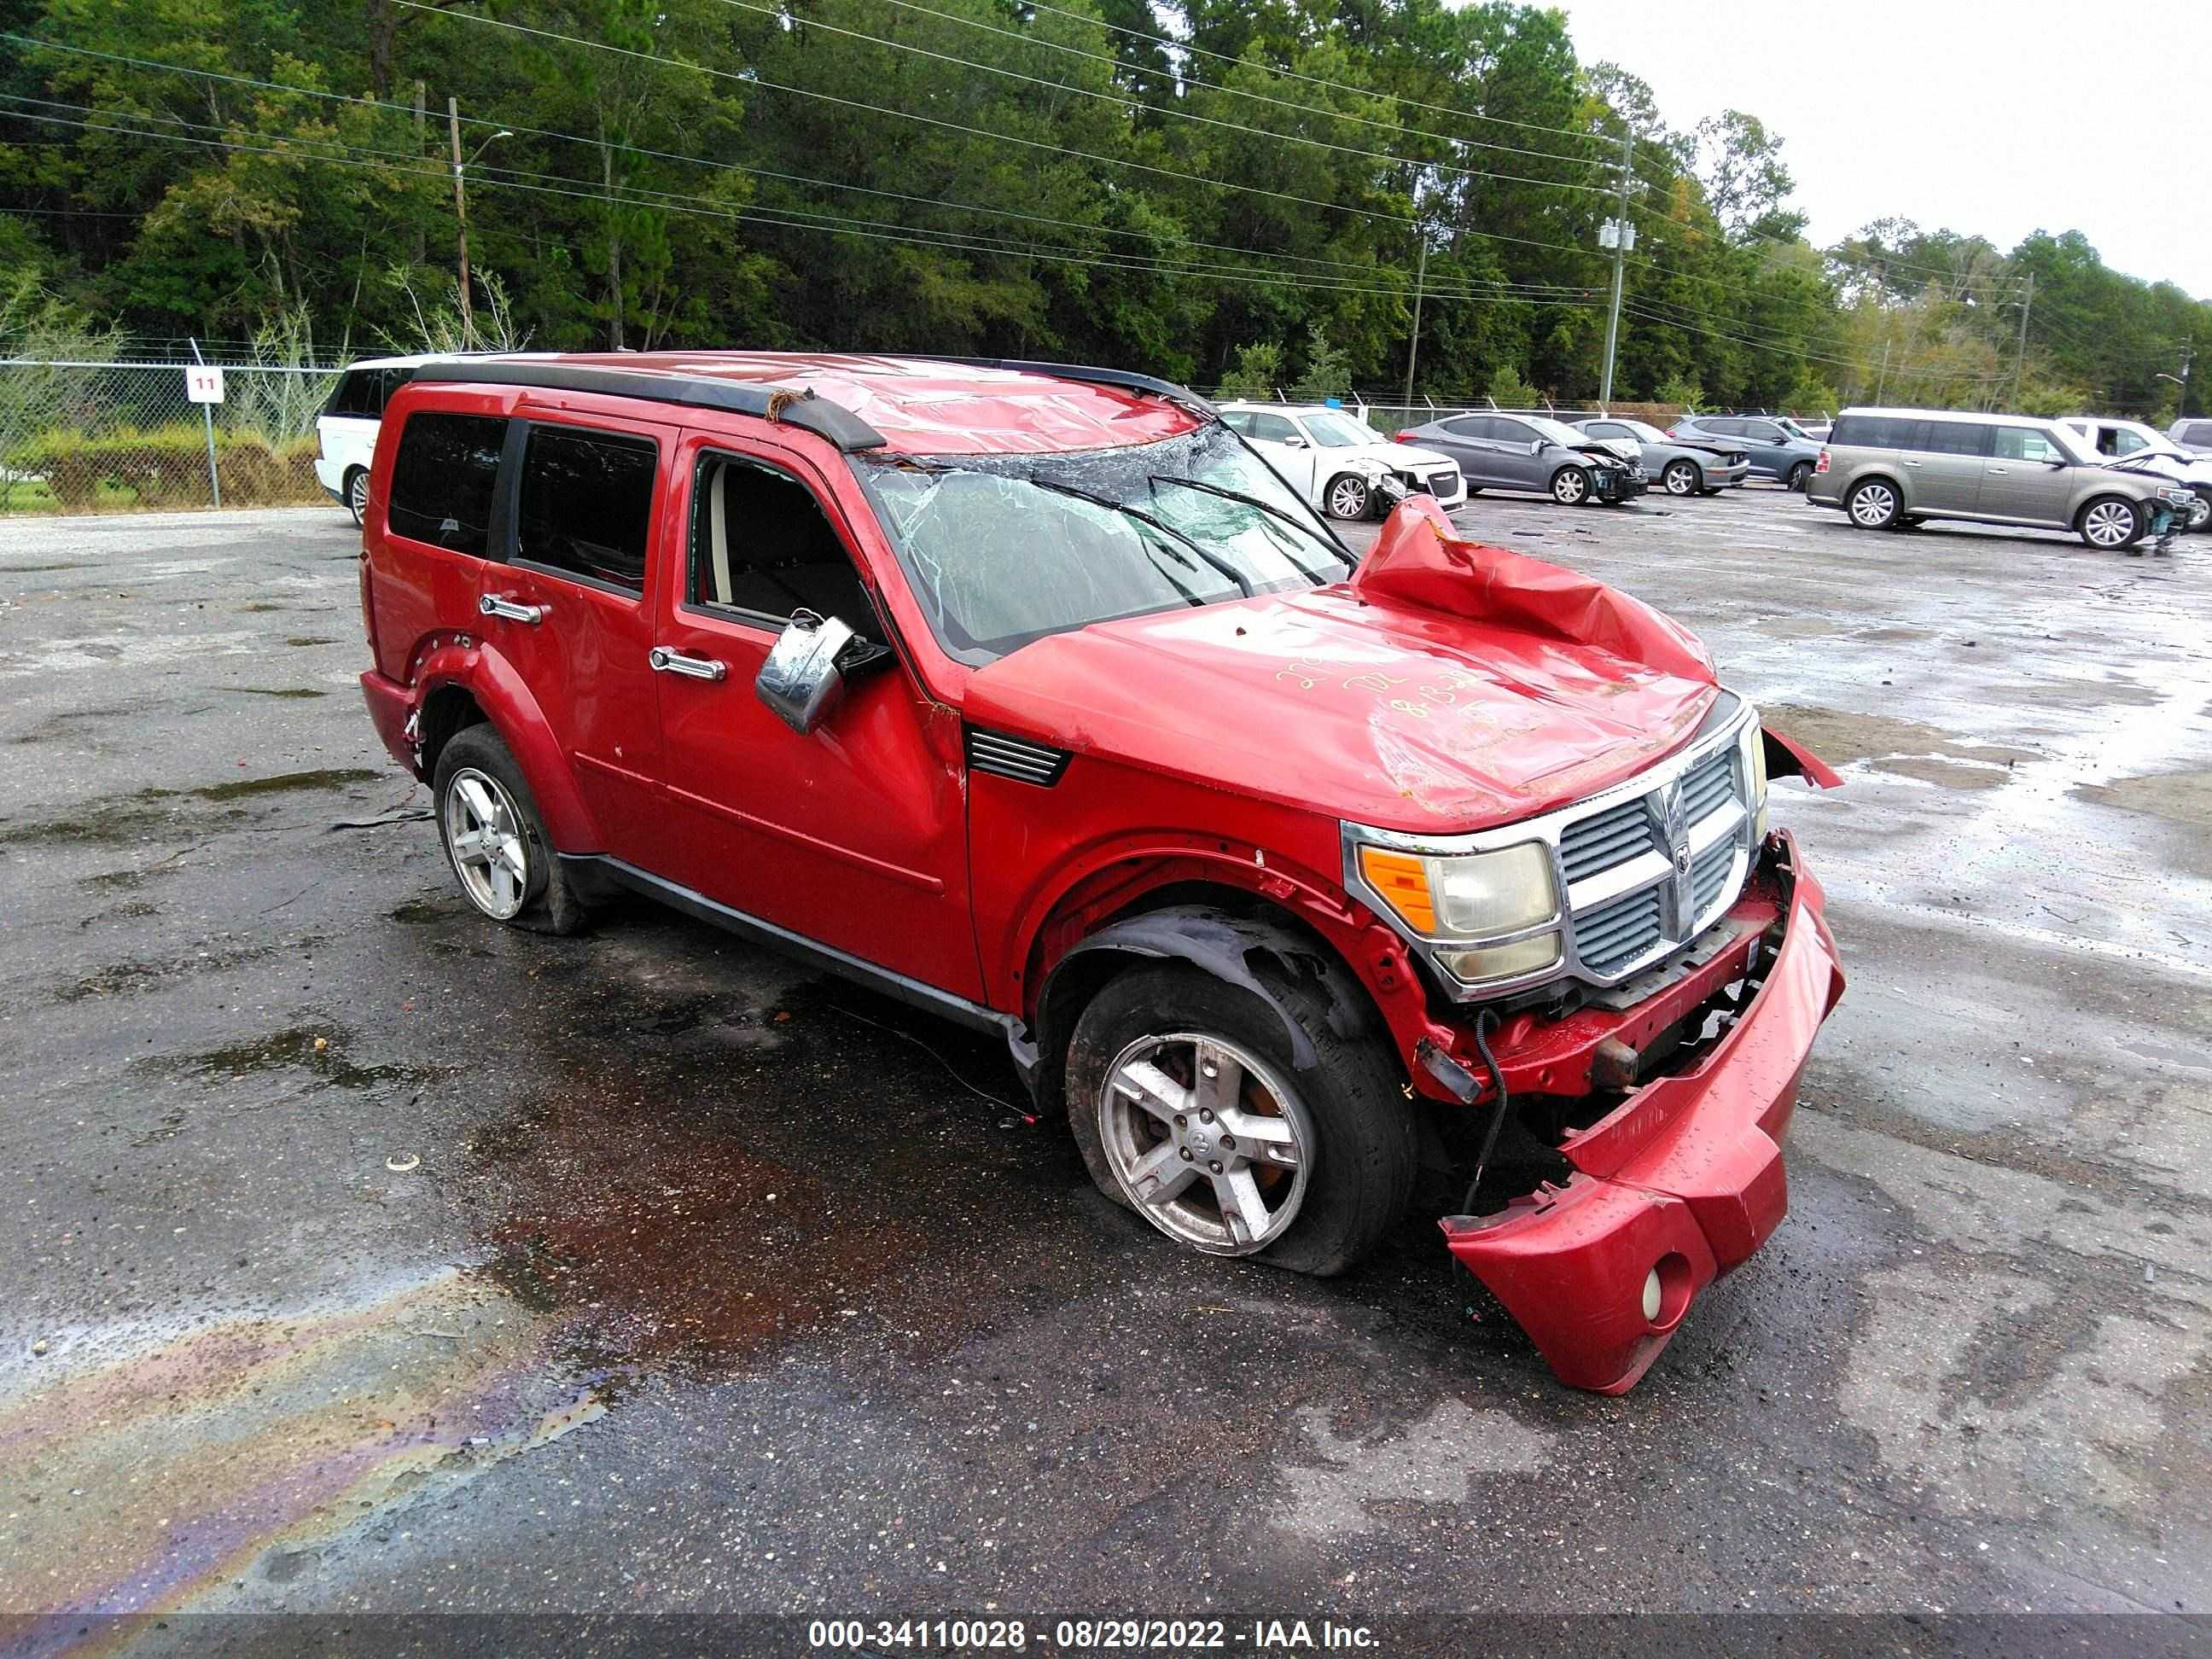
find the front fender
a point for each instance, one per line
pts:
(486, 676)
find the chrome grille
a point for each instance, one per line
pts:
(1613, 935)
(1598, 843)
(1709, 874)
(1709, 784)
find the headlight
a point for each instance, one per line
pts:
(1755, 769)
(1467, 895)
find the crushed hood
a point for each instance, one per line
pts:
(1448, 686)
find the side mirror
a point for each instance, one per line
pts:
(1291, 443)
(1537, 445)
(800, 680)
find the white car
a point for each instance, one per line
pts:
(346, 430)
(2151, 449)
(1336, 460)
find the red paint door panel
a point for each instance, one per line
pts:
(854, 834)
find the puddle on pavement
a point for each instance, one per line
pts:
(116, 820)
(298, 640)
(132, 977)
(321, 1050)
(160, 1466)
(732, 1178)
(1905, 748)
(273, 691)
(2178, 797)
(426, 911)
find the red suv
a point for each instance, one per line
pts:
(1300, 881)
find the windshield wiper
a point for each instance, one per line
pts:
(1338, 549)
(1243, 584)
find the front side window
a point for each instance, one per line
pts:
(1239, 420)
(1273, 428)
(2123, 441)
(357, 392)
(1004, 549)
(1765, 430)
(762, 545)
(443, 478)
(2026, 443)
(1637, 430)
(587, 504)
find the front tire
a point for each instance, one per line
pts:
(2200, 511)
(357, 495)
(1872, 504)
(495, 838)
(1570, 487)
(1347, 497)
(2111, 523)
(1683, 478)
(1183, 1096)
(1798, 474)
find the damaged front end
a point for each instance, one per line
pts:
(1649, 1125)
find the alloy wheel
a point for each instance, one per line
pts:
(1570, 487)
(357, 497)
(1209, 1143)
(484, 834)
(1347, 499)
(1681, 478)
(2200, 512)
(1872, 505)
(2109, 524)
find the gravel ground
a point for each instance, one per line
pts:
(358, 1255)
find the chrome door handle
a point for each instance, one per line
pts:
(491, 604)
(2001, 472)
(1909, 461)
(665, 661)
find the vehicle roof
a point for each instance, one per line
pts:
(1270, 408)
(1976, 416)
(920, 406)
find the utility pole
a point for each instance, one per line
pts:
(1883, 379)
(420, 92)
(2188, 350)
(2020, 356)
(1414, 346)
(1620, 237)
(461, 219)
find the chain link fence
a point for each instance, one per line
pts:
(90, 437)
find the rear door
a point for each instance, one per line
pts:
(1466, 439)
(852, 835)
(2026, 476)
(1942, 464)
(567, 605)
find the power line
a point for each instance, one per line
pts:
(1174, 44)
(853, 228)
(1187, 80)
(1121, 101)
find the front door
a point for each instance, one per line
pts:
(1287, 449)
(567, 607)
(852, 835)
(2026, 476)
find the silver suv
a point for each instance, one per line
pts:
(1889, 468)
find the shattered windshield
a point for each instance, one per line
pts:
(1003, 550)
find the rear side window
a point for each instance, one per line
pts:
(1952, 438)
(586, 504)
(1468, 426)
(2198, 432)
(443, 478)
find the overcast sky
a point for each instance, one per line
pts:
(1991, 117)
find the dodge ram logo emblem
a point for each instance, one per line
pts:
(1674, 825)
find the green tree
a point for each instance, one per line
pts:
(1328, 371)
(1256, 374)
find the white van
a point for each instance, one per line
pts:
(346, 430)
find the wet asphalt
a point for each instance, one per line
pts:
(358, 1255)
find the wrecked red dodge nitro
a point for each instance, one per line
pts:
(1303, 882)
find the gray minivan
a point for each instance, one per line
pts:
(1889, 468)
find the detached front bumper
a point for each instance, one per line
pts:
(1682, 1181)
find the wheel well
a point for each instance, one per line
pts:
(1865, 478)
(1274, 944)
(2108, 496)
(447, 710)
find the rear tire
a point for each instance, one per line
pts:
(1872, 504)
(1353, 1139)
(356, 485)
(495, 837)
(1799, 473)
(2111, 523)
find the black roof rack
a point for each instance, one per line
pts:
(804, 410)
(1120, 377)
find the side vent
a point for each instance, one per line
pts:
(1015, 757)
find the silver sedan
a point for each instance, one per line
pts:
(1674, 464)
